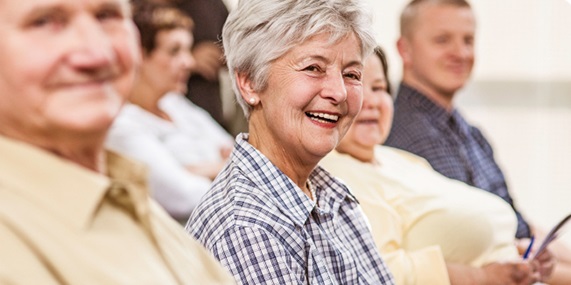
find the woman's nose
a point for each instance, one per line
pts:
(334, 88)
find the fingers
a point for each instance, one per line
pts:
(524, 273)
(546, 263)
(522, 245)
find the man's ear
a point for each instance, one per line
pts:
(403, 46)
(246, 88)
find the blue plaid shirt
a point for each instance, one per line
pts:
(451, 145)
(265, 230)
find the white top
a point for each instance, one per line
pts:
(192, 137)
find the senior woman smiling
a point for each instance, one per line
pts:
(272, 216)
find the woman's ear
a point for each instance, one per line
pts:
(247, 91)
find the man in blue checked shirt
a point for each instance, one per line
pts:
(437, 62)
(437, 49)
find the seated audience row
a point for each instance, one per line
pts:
(73, 213)
(273, 216)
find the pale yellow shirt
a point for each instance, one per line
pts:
(420, 219)
(60, 225)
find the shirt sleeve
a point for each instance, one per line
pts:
(409, 267)
(424, 266)
(255, 257)
(200, 131)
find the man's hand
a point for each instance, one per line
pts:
(209, 60)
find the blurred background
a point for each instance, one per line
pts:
(519, 95)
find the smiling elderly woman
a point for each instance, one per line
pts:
(272, 216)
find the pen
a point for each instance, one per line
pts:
(528, 250)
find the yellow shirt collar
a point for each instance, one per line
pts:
(75, 192)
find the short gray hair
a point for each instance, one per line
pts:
(258, 32)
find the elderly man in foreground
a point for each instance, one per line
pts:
(70, 213)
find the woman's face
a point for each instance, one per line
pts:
(373, 124)
(66, 67)
(168, 66)
(313, 94)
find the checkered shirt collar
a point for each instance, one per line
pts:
(285, 194)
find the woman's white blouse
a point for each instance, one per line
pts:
(192, 138)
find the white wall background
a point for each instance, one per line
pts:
(516, 39)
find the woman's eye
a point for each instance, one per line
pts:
(312, 68)
(354, 76)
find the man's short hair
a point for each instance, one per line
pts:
(410, 12)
